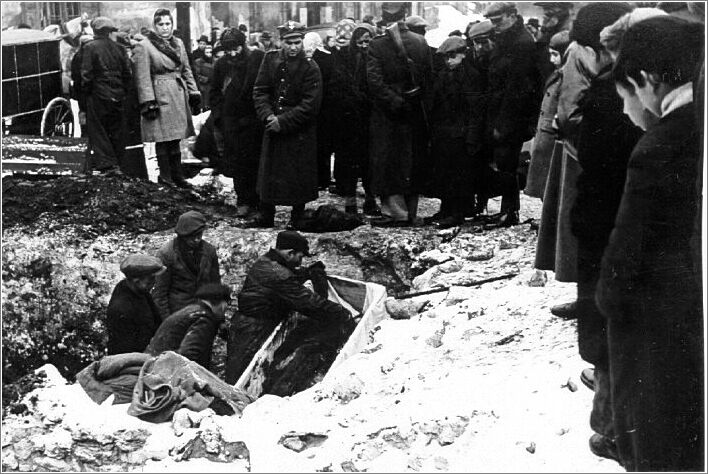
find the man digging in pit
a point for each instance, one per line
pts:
(273, 289)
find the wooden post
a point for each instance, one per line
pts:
(184, 24)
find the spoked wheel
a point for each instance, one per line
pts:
(57, 119)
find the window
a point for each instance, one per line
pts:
(60, 12)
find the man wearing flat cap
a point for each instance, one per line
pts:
(287, 96)
(202, 43)
(399, 70)
(106, 75)
(191, 330)
(514, 97)
(273, 289)
(132, 316)
(190, 263)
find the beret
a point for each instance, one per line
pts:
(189, 223)
(138, 265)
(452, 44)
(292, 240)
(481, 29)
(213, 291)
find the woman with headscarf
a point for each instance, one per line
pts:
(167, 92)
(351, 134)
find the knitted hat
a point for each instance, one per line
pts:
(344, 29)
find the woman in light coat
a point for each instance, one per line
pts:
(166, 91)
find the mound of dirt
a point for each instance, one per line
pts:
(100, 204)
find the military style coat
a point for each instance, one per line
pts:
(290, 89)
(161, 79)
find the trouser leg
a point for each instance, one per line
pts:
(506, 157)
(99, 117)
(162, 152)
(394, 206)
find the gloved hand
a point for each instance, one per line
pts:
(318, 276)
(150, 110)
(272, 124)
(195, 102)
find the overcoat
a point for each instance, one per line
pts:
(545, 138)
(160, 79)
(514, 83)
(290, 89)
(653, 302)
(398, 135)
(176, 286)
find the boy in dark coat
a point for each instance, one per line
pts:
(190, 331)
(454, 92)
(235, 115)
(287, 95)
(191, 262)
(647, 288)
(132, 317)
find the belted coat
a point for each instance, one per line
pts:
(290, 89)
(159, 78)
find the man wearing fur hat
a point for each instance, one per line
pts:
(399, 88)
(191, 331)
(190, 263)
(287, 96)
(132, 316)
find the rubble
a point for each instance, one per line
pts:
(432, 392)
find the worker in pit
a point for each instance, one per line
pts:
(273, 289)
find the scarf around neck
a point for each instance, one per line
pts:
(169, 47)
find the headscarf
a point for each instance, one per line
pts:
(311, 42)
(344, 29)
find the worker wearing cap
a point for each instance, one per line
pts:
(267, 41)
(399, 133)
(132, 316)
(190, 263)
(273, 289)
(287, 96)
(202, 43)
(418, 25)
(191, 330)
(514, 97)
(105, 77)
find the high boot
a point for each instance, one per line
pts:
(177, 173)
(165, 177)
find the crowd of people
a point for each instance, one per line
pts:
(612, 96)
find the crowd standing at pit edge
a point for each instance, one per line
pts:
(611, 94)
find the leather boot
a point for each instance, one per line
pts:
(165, 177)
(177, 173)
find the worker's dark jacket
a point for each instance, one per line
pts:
(105, 70)
(271, 291)
(176, 286)
(132, 319)
(190, 332)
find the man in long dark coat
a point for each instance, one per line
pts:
(132, 317)
(648, 288)
(105, 77)
(287, 96)
(399, 136)
(514, 83)
(234, 113)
